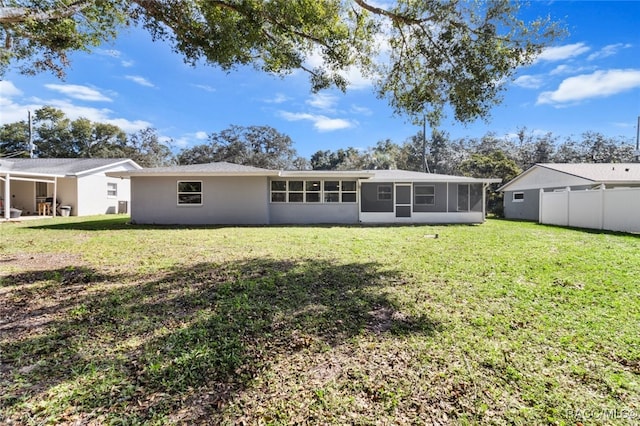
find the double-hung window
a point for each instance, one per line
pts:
(189, 193)
(425, 195)
(112, 189)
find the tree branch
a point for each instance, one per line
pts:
(395, 17)
(18, 15)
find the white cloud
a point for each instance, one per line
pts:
(608, 50)
(279, 98)
(529, 81)
(566, 69)
(205, 87)
(201, 135)
(596, 85)
(181, 143)
(322, 101)
(560, 53)
(113, 53)
(139, 80)
(116, 54)
(75, 91)
(14, 110)
(361, 110)
(8, 90)
(102, 115)
(320, 122)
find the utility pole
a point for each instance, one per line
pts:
(30, 136)
(638, 141)
(425, 165)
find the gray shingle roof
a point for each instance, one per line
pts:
(57, 166)
(601, 172)
(409, 176)
(229, 169)
(220, 168)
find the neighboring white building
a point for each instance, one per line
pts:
(80, 183)
(523, 195)
(224, 193)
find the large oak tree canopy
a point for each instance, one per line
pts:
(423, 55)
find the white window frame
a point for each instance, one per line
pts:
(385, 195)
(517, 200)
(417, 195)
(178, 193)
(112, 190)
(309, 193)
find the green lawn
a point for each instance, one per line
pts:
(102, 322)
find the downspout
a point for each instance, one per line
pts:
(6, 197)
(55, 195)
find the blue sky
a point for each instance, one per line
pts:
(588, 81)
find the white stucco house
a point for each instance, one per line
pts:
(225, 193)
(30, 186)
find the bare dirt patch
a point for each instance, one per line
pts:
(23, 262)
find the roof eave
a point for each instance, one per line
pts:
(136, 173)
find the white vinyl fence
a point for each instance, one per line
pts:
(616, 209)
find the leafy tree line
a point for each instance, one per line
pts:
(466, 156)
(489, 156)
(54, 135)
(57, 136)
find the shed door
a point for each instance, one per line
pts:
(403, 200)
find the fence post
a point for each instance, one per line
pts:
(568, 190)
(602, 206)
(540, 209)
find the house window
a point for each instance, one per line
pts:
(296, 191)
(463, 197)
(278, 191)
(348, 191)
(425, 195)
(189, 193)
(313, 191)
(41, 189)
(518, 197)
(112, 190)
(336, 191)
(384, 192)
